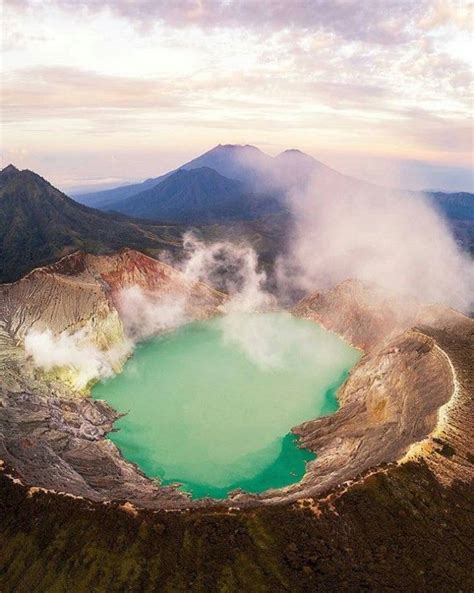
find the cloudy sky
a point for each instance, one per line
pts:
(99, 92)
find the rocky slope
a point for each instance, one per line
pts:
(386, 506)
(410, 396)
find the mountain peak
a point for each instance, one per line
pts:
(294, 153)
(299, 160)
(233, 148)
(22, 176)
(9, 169)
(8, 172)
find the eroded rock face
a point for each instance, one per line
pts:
(363, 316)
(409, 396)
(449, 450)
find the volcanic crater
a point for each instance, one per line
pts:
(409, 398)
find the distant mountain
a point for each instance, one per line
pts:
(231, 182)
(458, 209)
(102, 199)
(198, 196)
(458, 205)
(39, 224)
(261, 173)
(273, 176)
(258, 171)
(243, 163)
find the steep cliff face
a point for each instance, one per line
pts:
(448, 450)
(363, 316)
(48, 300)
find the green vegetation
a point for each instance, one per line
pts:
(390, 534)
(39, 224)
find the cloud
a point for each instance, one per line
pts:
(341, 75)
(60, 88)
(443, 134)
(388, 22)
(446, 13)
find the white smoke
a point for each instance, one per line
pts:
(75, 352)
(145, 314)
(230, 267)
(393, 240)
(235, 268)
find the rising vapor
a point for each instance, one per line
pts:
(396, 241)
(76, 352)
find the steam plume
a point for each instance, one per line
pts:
(145, 314)
(75, 352)
(394, 240)
(232, 268)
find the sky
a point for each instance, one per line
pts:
(97, 93)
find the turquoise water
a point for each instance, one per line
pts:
(211, 405)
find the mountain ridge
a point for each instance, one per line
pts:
(199, 195)
(258, 170)
(39, 224)
(235, 161)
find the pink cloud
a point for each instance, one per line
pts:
(387, 22)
